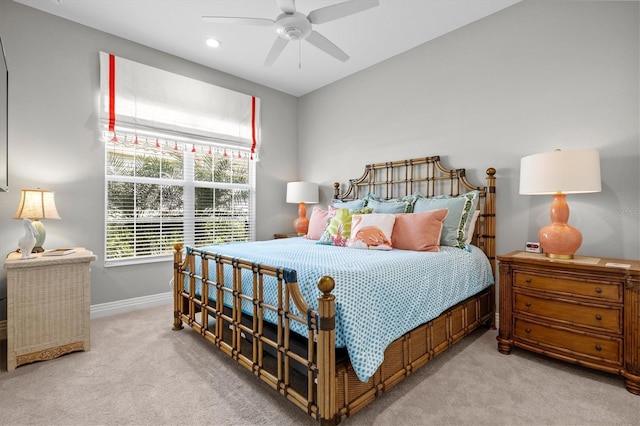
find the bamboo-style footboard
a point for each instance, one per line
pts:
(311, 378)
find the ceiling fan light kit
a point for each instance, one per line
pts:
(292, 25)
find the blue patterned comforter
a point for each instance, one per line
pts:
(380, 295)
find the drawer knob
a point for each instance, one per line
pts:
(527, 280)
(599, 317)
(598, 348)
(527, 330)
(598, 290)
(527, 304)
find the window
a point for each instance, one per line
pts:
(161, 192)
(179, 161)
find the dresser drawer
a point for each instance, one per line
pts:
(598, 316)
(605, 291)
(569, 343)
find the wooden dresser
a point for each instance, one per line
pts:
(585, 311)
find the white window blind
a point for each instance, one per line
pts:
(138, 96)
(166, 185)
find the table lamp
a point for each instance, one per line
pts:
(560, 173)
(36, 204)
(302, 192)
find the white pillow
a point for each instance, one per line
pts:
(472, 227)
(372, 231)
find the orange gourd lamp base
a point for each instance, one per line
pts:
(301, 193)
(559, 240)
(301, 224)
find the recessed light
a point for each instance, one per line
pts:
(212, 42)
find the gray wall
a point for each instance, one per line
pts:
(531, 78)
(54, 141)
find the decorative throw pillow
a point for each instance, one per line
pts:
(459, 218)
(351, 205)
(338, 229)
(318, 222)
(363, 210)
(372, 231)
(391, 205)
(419, 231)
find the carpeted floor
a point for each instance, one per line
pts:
(140, 372)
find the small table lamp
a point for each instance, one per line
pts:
(559, 173)
(36, 204)
(302, 192)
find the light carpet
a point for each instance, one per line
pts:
(140, 372)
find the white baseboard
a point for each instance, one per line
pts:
(117, 307)
(128, 305)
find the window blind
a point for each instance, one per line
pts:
(162, 192)
(138, 96)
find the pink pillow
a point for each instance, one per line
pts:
(318, 223)
(419, 231)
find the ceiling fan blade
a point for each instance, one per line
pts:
(263, 22)
(276, 49)
(287, 6)
(340, 10)
(322, 43)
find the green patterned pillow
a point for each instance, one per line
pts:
(458, 221)
(338, 228)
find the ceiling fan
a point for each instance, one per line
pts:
(292, 25)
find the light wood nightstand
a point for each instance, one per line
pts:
(48, 304)
(585, 311)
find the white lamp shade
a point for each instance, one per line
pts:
(302, 192)
(36, 204)
(567, 172)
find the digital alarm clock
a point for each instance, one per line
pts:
(533, 248)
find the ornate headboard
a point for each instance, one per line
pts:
(428, 177)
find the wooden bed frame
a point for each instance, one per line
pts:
(311, 372)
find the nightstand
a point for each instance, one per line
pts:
(48, 304)
(585, 311)
(278, 236)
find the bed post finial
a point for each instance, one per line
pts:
(326, 284)
(336, 190)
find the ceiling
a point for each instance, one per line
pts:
(368, 37)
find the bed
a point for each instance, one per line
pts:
(329, 327)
